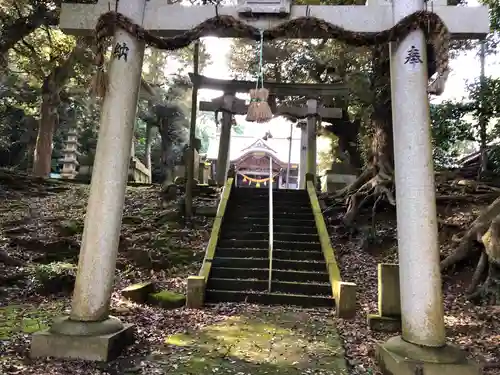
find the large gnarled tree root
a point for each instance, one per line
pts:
(489, 291)
(486, 230)
(475, 233)
(373, 185)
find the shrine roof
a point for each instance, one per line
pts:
(240, 145)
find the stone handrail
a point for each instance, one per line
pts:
(216, 228)
(344, 293)
(271, 225)
(324, 237)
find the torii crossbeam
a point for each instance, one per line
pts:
(170, 19)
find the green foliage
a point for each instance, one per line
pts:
(449, 127)
(455, 124)
(484, 99)
(33, 56)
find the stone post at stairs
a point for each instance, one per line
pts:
(89, 332)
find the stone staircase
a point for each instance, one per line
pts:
(240, 268)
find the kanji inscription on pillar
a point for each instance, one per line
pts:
(413, 56)
(120, 50)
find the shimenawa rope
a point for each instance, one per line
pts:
(223, 25)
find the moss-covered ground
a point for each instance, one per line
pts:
(27, 318)
(270, 341)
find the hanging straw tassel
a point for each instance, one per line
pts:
(100, 83)
(258, 109)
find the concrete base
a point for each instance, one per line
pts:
(398, 357)
(99, 347)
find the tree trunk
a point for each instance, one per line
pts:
(52, 86)
(347, 134)
(382, 152)
(376, 182)
(43, 150)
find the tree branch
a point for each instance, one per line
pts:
(12, 33)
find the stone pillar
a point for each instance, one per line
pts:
(303, 154)
(421, 348)
(224, 145)
(70, 158)
(415, 194)
(89, 332)
(312, 110)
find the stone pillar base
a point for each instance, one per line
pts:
(381, 323)
(92, 341)
(398, 357)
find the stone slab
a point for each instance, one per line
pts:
(380, 323)
(139, 292)
(389, 303)
(345, 299)
(101, 348)
(397, 357)
(195, 292)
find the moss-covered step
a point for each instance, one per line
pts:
(296, 245)
(237, 284)
(306, 288)
(310, 288)
(301, 275)
(240, 262)
(298, 255)
(256, 243)
(241, 273)
(244, 219)
(241, 253)
(279, 342)
(295, 216)
(263, 228)
(216, 296)
(299, 265)
(167, 299)
(311, 229)
(298, 236)
(292, 221)
(263, 274)
(243, 235)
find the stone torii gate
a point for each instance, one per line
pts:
(90, 333)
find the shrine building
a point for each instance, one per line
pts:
(250, 157)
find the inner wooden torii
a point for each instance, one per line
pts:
(229, 105)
